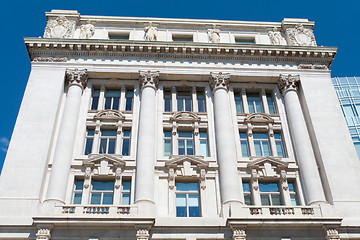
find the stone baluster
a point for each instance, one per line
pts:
(301, 140)
(145, 158)
(230, 182)
(60, 170)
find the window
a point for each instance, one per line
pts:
(102, 192)
(129, 100)
(89, 141)
(107, 141)
(201, 101)
(185, 143)
(261, 143)
(184, 101)
(254, 103)
(293, 195)
(78, 190)
(187, 199)
(269, 194)
(95, 99)
(182, 38)
(126, 137)
(112, 99)
(244, 145)
(203, 144)
(125, 192)
(247, 193)
(167, 143)
(279, 145)
(167, 101)
(270, 103)
(244, 40)
(119, 36)
(238, 103)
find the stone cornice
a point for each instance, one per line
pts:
(37, 47)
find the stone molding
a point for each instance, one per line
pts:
(288, 83)
(77, 77)
(332, 234)
(239, 234)
(255, 118)
(142, 234)
(109, 115)
(60, 27)
(185, 117)
(49, 59)
(149, 79)
(300, 36)
(43, 234)
(312, 66)
(219, 81)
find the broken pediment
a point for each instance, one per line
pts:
(109, 115)
(102, 164)
(185, 117)
(177, 160)
(258, 118)
(267, 166)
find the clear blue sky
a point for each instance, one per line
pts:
(336, 24)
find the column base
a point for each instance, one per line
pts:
(146, 208)
(318, 202)
(232, 209)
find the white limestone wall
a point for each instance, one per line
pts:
(336, 155)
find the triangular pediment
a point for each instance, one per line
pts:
(185, 117)
(180, 159)
(110, 115)
(258, 118)
(274, 161)
(97, 159)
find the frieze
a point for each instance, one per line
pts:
(312, 66)
(49, 59)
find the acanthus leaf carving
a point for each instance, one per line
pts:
(288, 82)
(219, 80)
(77, 77)
(149, 79)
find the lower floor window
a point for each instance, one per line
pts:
(102, 192)
(269, 194)
(187, 199)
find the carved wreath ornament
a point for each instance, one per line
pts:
(300, 36)
(60, 27)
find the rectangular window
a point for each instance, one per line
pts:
(126, 139)
(201, 101)
(118, 36)
(270, 102)
(279, 145)
(107, 141)
(167, 143)
(102, 192)
(269, 194)
(129, 100)
(203, 144)
(261, 143)
(125, 192)
(293, 195)
(238, 103)
(184, 101)
(167, 101)
(254, 102)
(244, 145)
(247, 193)
(187, 199)
(185, 143)
(89, 141)
(95, 99)
(78, 190)
(112, 99)
(182, 38)
(244, 40)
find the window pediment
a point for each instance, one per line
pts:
(267, 166)
(103, 165)
(258, 118)
(179, 160)
(109, 115)
(185, 117)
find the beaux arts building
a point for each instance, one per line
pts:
(149, 128)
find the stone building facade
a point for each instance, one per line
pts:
(150, 128)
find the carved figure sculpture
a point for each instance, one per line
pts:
(87, 31)
(60, 27)
(276, 38)
(300, 36)
(214, 34)
(150, 32)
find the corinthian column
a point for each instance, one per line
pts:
(145, 157)
(60, 169)
(230, 183)
(299, 133)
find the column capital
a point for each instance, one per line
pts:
(219, 80)
(149, 79)
(332, 234)
(43, 234)
(239, 234)
(142, 234)
(288, 82)
(77, 77)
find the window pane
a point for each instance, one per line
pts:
(260, 136)
(88, 146)
(126, 133)
(244, 149)
(108, 103)
(126, 147)
(268, 187)
(190, 147)
(348, 111)
(194, 210)
(181, 205)
(77, 198)
(108, 133)
(201, 105)
(167, 105)
(95, 198)
(246, 187)
(79, 185)
(291, 187)
(294, 201)
(125, 199)
(258, 151)
(247, 198)
(167, 134)
(271, 107)
(251, 107)
(279, 149)
(180, 105)
(126, 185)
(275, 200)
(116, 103)
(111, 149)
(258, 107)
(266, 148)
(181, 147)
(265, 201)
(188, 105)
(203, 148)
(191, 186)
(95, 102)
(185, 134)
(103, 146)
(203, 135)
(129, 100)
(103, 185)
(167, 147)
(239, 107)
(108, 198)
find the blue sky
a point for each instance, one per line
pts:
(337, 24)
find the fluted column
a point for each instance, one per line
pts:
(145, 158)
(230, 183)
(301, 140)
(65, 144)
